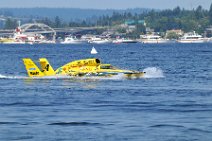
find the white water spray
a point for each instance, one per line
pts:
(153, 72)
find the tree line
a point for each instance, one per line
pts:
(160, 20)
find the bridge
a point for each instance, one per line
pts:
(40, 28)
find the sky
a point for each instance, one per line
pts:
(107, 4)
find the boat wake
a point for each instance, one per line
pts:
(26, 77)
(116, 77)
(12, 77)
(151, 72)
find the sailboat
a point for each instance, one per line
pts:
(93, 51)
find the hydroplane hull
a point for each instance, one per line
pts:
(78, 68)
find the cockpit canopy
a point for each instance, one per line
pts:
(98, 61)
(107, 66)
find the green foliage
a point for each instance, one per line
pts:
(210, 14)
(46, 21)
(141, 29)
(172, 35)
(57, 22)
(187, 20)
(10, 24)
(78, 24)
(160, 20)
(178, 19)
(121, 30)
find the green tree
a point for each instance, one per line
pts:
(57, 22)
(210, 14)
(199, 12)
(121, 30)
(140, 29)
(172, 35)
(10, 24)
(47, 21)
(176, 11)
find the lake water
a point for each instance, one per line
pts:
(172, 103)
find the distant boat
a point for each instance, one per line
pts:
(192, 37)
(99, 40)
(128, 41)
(152, 39)
(93, 51)
(123, 40)
(72, 40)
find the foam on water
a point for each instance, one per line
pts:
(153, 72)
(63, 77)
(26, 77)
(2, 76)
(115, 77)
(12, 77)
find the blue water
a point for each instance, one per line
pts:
(172, 103)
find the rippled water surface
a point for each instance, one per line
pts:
(172, 102)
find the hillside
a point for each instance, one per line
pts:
(66, 14)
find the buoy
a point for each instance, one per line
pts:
(93, 51)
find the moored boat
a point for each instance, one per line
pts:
(99, 40)
(123, 40)
(192, 37)
(153, 39)
(72, 40)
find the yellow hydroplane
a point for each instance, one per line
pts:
(85, 67)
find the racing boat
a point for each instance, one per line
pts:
(78, 68)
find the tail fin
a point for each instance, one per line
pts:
(46, 68)
(32, 69)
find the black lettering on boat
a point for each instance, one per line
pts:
(34, 73)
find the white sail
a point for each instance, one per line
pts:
(93, 51)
